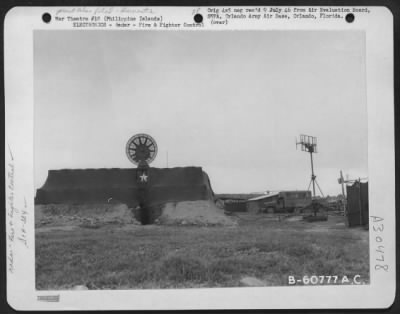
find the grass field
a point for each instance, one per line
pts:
(152, 256)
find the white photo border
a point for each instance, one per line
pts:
(19, 26)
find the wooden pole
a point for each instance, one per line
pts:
(359, 200)
(312, 174)
(343, 193)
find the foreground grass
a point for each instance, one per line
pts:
(115, 257)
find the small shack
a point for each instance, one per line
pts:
(357, 211)
(235, 202)
(256, 204)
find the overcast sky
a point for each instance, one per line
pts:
(231, 102)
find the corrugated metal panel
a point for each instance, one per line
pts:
(266, 196)
(357, 204)
(235, 206)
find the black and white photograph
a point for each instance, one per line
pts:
(172, 156)
(161, 164)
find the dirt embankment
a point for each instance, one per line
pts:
(197, 213)
(202, 213)
(83, 214)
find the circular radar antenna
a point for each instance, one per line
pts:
(141, 149)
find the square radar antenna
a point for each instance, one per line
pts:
(307, 143)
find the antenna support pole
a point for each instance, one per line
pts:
(309, 144)
(313, 176)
